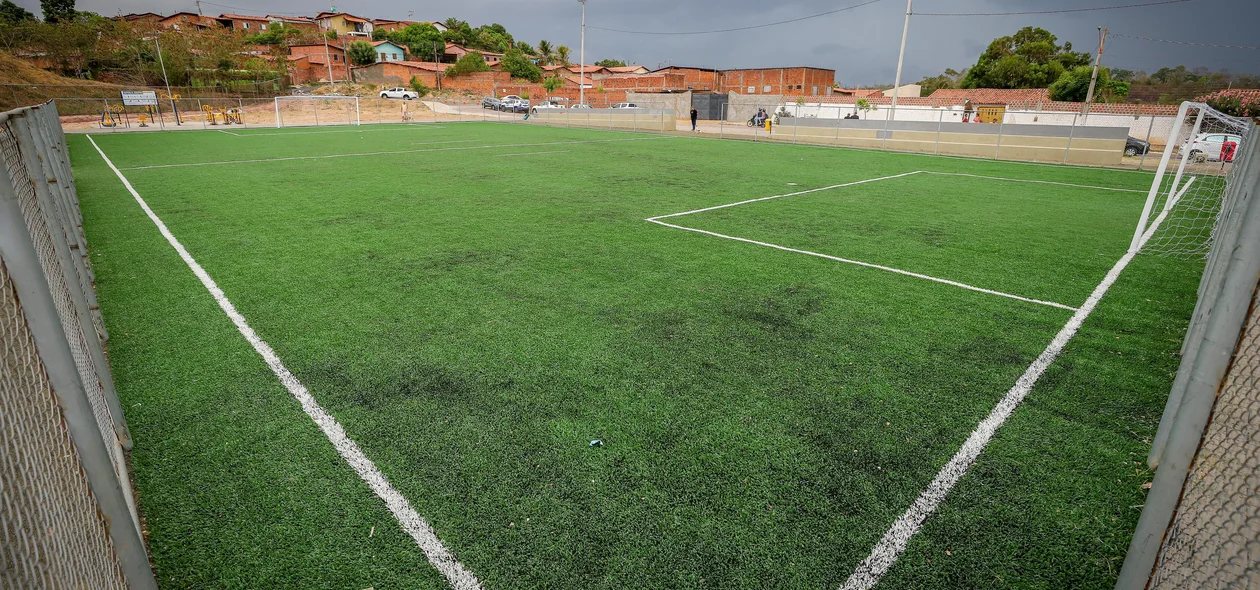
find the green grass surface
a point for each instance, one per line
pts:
(475, 320)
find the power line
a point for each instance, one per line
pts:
(1187, 42)
(1062, 11)
(748, 28)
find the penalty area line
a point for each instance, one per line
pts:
(415, 525)
(894, 542)
(532, 153)
(657, 220)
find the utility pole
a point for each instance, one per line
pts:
(198, 7)
(328, 58)
(582, 58)
(892, 112)
(1093, 78)
(167, 81)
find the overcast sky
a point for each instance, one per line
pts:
(860, 44)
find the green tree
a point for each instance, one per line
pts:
(951, 78)
(515, 63)
(562, 55)
(1031, 58)
(526, 48)
(422, 40)
(545, 52)
(1074, 86)
(12, 14)
(611, 63)
(361, 53)
(552, 83)
(276, 34)
(468, 63)
(865, 106)
(56, 11)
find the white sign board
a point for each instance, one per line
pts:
(139, 98)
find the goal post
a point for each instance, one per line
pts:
(317, 110)
(1185, 198)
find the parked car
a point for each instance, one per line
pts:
(400, 92)
(490, 102)
(547, 106)
(1208, 146)
(625, 105)
(514, 104)
(580, 105)
(1136, 147)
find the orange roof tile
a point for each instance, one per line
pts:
(992, 95)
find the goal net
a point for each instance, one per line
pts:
(1184, 202)
(305, 111)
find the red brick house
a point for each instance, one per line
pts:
(322, 58)
(804, 81)
(244, 23)
(188, 21)
(296, 22)
(695, 78)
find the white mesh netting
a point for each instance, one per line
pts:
(316, 110)
(1189, 189)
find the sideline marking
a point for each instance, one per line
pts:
(894, 542)
(429, 126)
(869, 265)
(410, 520)
(324, 157)
(532, 153)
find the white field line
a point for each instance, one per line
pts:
(916, 275)
(894, 542)
(533, 153)
(804, 192)
(448, 149)
(361, 129)
(735, 136)
(456, 574)
(1086, 186)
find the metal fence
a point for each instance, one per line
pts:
(67, 514)
(1200, 525)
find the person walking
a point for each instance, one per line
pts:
(694, 116)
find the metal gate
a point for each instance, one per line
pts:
(709, 106)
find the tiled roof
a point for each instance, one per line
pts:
(296, 19)
(419, 65)
(626, 69)
(579, 80)
(242, 17)
(991, 95)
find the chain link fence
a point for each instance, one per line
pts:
(1200, 525)
(67, 512)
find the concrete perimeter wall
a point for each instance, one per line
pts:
(1091, 146)
(631, 119)
(680, 102)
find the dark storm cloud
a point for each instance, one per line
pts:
(861, 44)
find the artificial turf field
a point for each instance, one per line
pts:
(475, 303)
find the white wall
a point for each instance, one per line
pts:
(1139, 125)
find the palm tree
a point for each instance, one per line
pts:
(562, 55)
(545, 52)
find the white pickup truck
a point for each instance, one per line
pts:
(400, 92)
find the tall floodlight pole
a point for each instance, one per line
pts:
(892, 112)
(1093, 78)
(582, 58)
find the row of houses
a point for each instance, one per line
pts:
(343, 24)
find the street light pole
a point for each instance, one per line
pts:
(1093, 78)
(892, 112)
(582, 58)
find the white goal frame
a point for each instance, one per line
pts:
(1177, 140)
(317, 97)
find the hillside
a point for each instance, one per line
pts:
(27, 84)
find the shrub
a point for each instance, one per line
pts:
(419, 87)
(470, 62)
(1239, 103)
